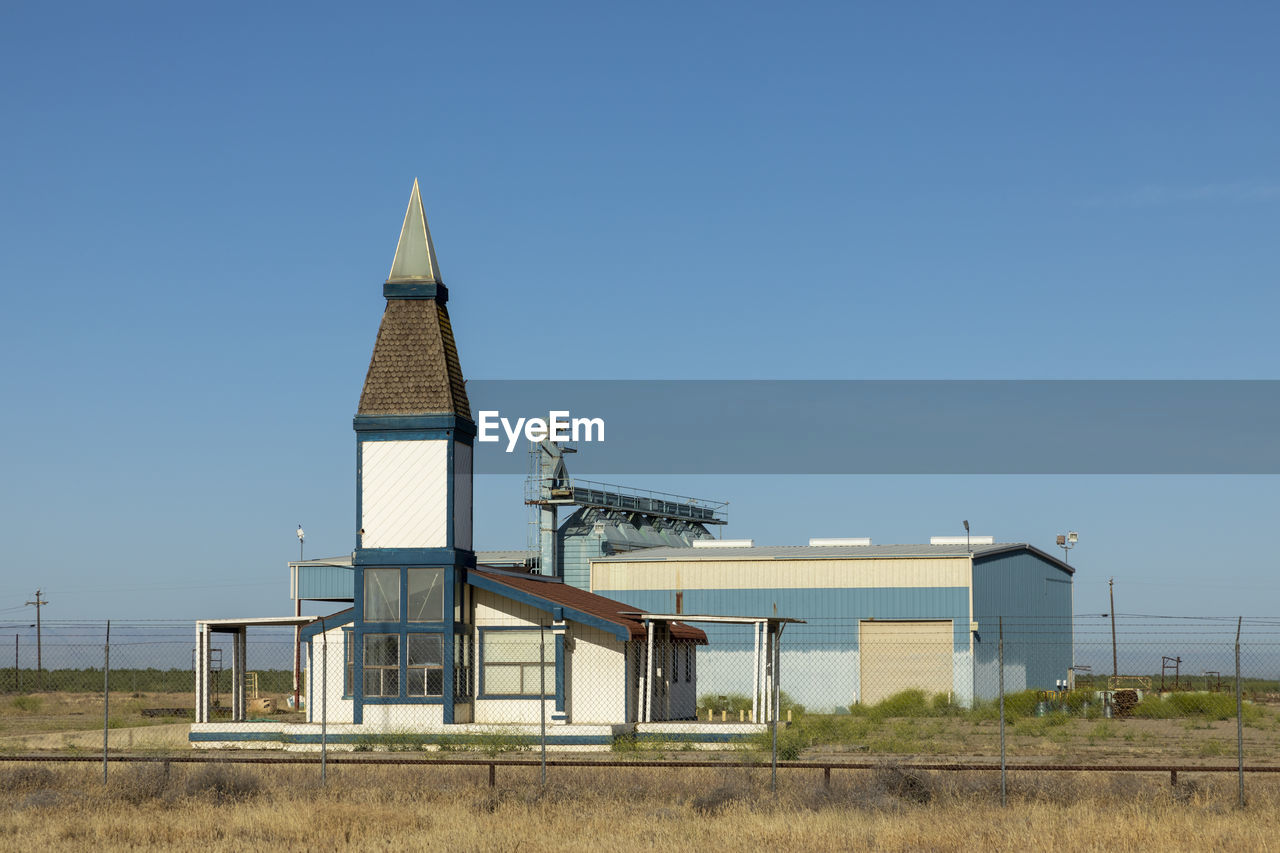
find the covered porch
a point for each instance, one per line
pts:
(767, 633)
(239, 630)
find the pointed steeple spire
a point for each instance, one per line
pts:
(414, 369)
(415, 259)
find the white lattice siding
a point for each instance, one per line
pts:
(404, 494)
(462, 496)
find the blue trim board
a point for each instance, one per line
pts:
(359, 501)
(619, 631)
(560, 661)
(424, 557)
(444, 737)
(328, 623)
(395, 426)
(448, 626)
(432, 434)
(416, 290)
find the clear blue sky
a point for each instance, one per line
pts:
(199, 207)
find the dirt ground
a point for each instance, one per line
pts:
(73, 722)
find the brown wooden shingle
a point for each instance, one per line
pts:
(414, 369)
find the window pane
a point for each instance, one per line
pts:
(381, 650)
(414, 682)
(502, 679)
(426, 650)
(531, 683)
(426, 595)
(509, 646)
(382, 595)
(380, 681)
(517, 646)
(435, 682)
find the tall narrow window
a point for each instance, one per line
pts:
(462, 671)
(426, 595)
(382, 595)
(381, 665)
(349, 661)
(424, 665)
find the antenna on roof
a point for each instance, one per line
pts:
(968, 546)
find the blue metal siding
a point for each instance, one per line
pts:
(576, 554)
(1034, 597)
(831, 615)
(326, 582)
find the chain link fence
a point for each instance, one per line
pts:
(1158, 692)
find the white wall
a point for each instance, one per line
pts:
(595, 674)
(492, 610)
(338, 710)
(404, 493)
(595, 668)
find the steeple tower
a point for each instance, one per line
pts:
(414, 437)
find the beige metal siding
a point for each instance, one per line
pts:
(897, 656)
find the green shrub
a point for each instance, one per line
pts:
(1206, 706)
(29, 704)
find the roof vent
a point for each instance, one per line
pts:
(962, 540)
(856, 541)
(724, 543)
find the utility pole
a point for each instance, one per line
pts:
(1111, 589)
(38, 603)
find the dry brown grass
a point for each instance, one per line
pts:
(226, 807)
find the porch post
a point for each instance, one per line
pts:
(755, 674)
(201, 662)
(648, 674)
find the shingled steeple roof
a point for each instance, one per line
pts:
(415, 369)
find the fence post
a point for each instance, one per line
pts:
(106, 698)
(1239, 719)
(775, 662)
(542, 695)
(324, 699)
(1003, 769)
(17, 673)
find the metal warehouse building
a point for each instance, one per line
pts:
(879, 618)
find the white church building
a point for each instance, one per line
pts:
(433, 647)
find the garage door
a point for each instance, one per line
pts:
(897, 656)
